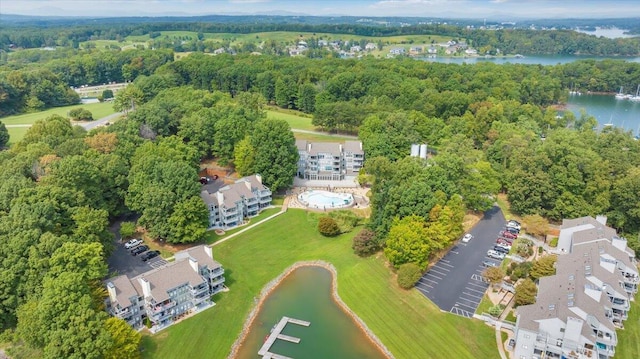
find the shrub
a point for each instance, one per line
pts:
(80, 114)
(346, 220)
(553, 242)
(364, 243)
(328, 227)
(526, 292)
(408, 275)
(496, 310)
(107, 94)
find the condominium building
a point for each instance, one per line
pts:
(165, 294)
(230, 204)
(578, 310)
(329, 160)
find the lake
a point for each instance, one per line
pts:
(527, 60)
(306, 294)
(607, 110)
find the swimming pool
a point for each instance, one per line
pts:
(324, 199)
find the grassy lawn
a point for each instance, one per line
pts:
(212, 237)
(16, 134)
(98, 110)
(484, 305)
(295, 121)
(314, 137)
(629, 338)
(407, 323)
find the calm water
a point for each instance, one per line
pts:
(306, 295)
(612, 33)
(608, 110)
(527, 60)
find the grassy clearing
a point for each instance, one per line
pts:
(16, 134)
(408, 324)
(314, 137)
(629, 339)
(98, 110)
(294, 121)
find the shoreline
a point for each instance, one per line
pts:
(270, 286)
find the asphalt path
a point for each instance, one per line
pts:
(455, 283)
(100, 122)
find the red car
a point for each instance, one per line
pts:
(507, 234)
(503, 242)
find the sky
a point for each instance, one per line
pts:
(502, 9)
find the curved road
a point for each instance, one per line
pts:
(87, 125)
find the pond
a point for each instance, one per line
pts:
(306, 295)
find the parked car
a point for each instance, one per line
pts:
(132, 243)
(148, 255)
(512, 224)
(139, 249)
(513, 230)
(494, 254)
(489, 264)
(467, 237)
(501, 249)
(507, 234)
(503, 242)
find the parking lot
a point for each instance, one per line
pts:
(122, 262)
(455, 283)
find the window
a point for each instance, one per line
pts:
(524, 346)
(572, 277)
(552, 306)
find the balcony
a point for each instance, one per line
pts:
(162, 306)
(217, 281)
(265, 199)
(251, 200)
(199, 290)
(216, 272)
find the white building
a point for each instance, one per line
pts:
(230, 204)
(578, 310)
(164, 294)
(329, 160)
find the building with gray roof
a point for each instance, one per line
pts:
(165, 294)
(578, 310)
(230, 204)
(329, 160)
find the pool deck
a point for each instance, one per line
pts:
(359, 195)
(277, 334)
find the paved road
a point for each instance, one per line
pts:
(455, 283)
(100, 122)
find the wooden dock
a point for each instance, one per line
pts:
(276, 333)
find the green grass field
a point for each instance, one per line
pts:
(407, 323)
(629, 338)
(212, 237)
(320, 138)
(294, 121)
(98, 110)
(16, 134)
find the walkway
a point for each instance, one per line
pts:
(283, 209)
(87, 125)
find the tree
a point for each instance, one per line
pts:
(102, 142)
(306, 101)
(364, 243)
(526, 292)
(244, 157)
(189, 221)
(536, 225)
(276, 154)
(126, 341)
(328, 227)
(408, 242)
(127, 229)
(480, 186)
(544, 266)
(80, 114)
(128, 98)
(408, 275)
(107, 94)
(4, 135)
(53, 131)
(493, 275)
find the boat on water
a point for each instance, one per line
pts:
(621, 95)
(637, 96)
(574, 91)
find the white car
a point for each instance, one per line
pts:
(495, 254)
(132, 243)
(467, 237)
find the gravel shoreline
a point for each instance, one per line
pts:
(334, 294)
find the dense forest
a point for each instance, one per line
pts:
(493, 126)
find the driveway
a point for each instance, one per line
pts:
(455, 283)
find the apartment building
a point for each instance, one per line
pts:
(578, 310)
(230, 204)
(165, 294)
(329, 160)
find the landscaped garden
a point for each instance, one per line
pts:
(407, 323)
